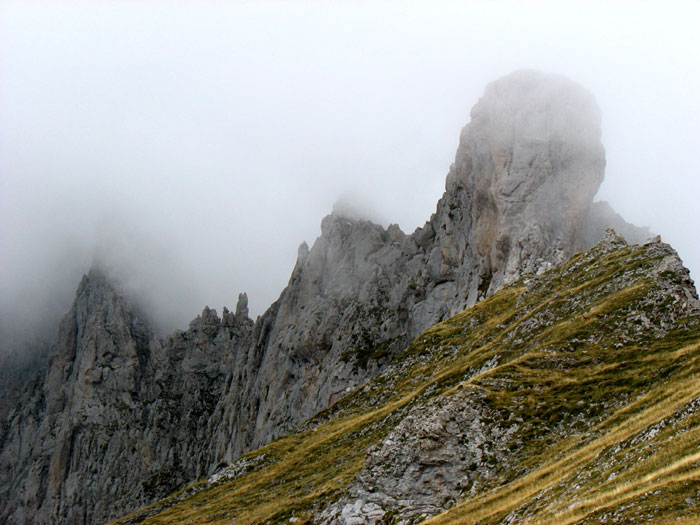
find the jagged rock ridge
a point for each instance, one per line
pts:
(569, 397)
(121, 417)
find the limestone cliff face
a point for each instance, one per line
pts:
(121, 418)
(527, 168)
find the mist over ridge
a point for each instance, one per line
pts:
(189, 169)
(196, 158)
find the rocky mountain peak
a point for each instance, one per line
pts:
(518, 199)
(108, 330)
(528, 165)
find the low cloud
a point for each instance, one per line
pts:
(193, 147)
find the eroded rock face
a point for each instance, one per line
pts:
(121, 417)
(526, 170)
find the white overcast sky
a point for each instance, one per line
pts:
(201, 142)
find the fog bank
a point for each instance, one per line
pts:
(196, 146)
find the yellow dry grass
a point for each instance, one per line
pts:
(521, 371)
(660, 403)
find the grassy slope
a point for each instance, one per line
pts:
(597, 367)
